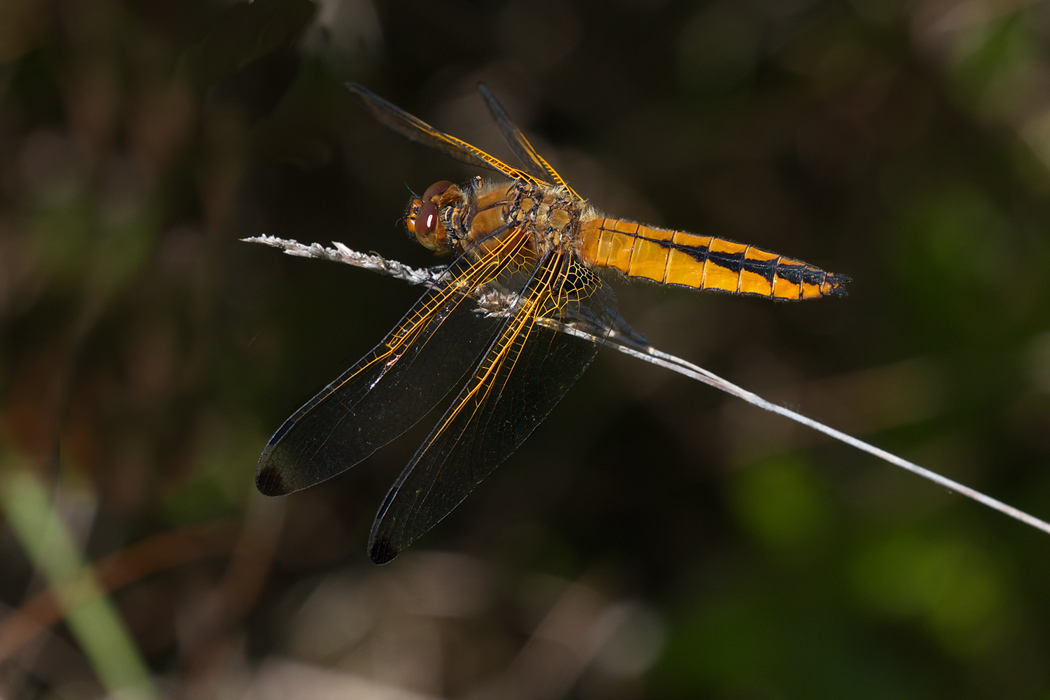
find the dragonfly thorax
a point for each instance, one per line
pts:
(546, 215)
(551, 213)
(451, 218)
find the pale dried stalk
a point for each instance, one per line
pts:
(493, 301)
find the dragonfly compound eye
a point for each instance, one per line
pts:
(426, 220)
(436, 189)
(423, 216)
(425, 225)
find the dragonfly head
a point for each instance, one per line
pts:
(423, 219)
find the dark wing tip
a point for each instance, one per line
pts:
(383, 552)
(270, 481)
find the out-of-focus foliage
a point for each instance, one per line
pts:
(652, 539)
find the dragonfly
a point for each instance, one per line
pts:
(533, 238)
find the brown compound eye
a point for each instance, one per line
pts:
(436, 189)
(426, 220)
(424, 216)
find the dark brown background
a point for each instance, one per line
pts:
(653, 538)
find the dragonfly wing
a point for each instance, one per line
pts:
(527, 369)
(536, 164)
(606, 322)
(392, 387)
(418, 130)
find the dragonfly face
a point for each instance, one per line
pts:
(423, 218)
(533, 236)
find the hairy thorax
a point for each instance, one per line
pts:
(548, 215)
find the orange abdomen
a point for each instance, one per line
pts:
(701, 262)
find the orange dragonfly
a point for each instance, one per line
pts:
(534, 236)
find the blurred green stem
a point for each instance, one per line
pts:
(91, 616)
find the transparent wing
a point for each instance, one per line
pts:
(533, 161)
(527, 369)
(418, 130)
(392, 387)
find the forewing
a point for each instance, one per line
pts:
(418, 130)
(392, 387)
(527, 369)
(534, 162)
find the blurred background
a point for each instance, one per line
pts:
(653, 538)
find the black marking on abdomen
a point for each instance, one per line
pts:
(765, 268)
(811, 275)
(734, 262)
(730, 261)
(792, 272)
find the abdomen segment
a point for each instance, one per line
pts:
(701, 262)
